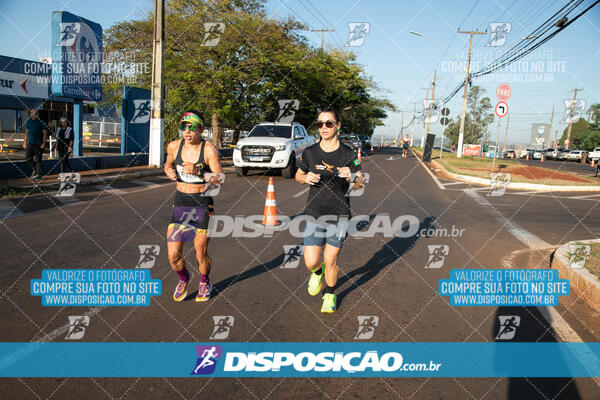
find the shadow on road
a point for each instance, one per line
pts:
(387, 255)
(527, 324)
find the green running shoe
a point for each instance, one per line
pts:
(315, 283)
(329, 303)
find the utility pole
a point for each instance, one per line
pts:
(551, 124)
(423, 135)
(464, 104)
(496, 149)
(322, 34)
(506, 134)
(571, 117)
(431, 104)
(412, 138)
(156, 140)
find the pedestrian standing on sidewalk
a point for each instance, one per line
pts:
(64, 144)
(36, 134)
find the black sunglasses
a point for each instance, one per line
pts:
(329, 124)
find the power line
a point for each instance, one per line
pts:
(525, 47)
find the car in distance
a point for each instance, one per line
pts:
(575, 155)
(351, 140)
(272, 145)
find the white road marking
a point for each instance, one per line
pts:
(584, 197)
(529, 239)
(109, 189)
(435, 179)
(8, 209)
(146, 183)
(455, 183)
(301, 193)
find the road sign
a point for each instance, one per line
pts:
(445, 111)
(503, 91)
(444, 121)
(501, 109)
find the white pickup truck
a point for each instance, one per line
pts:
(272, 145)
(594, 154)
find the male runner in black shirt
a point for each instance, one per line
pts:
(327, 166)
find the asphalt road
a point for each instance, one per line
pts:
(382, 276)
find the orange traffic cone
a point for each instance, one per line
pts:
(270, 213)
(359, 155)
(527, 156)
(592, 163)
(372, 151)
(543, 156)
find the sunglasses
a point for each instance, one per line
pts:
(191, 127)
(329, 124)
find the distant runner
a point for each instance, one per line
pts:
(405, 145)
(327, 167)
(193, 163)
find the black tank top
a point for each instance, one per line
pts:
(191, 178)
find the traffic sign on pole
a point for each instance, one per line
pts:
(444, 121)
(501, 109)
(503, 92)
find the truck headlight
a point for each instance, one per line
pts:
(238, 146)
(280, 147)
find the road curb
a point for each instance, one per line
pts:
(581, 280)
(512, 185)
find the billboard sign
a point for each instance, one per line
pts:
(471, 150)
(540, 136)
(135, 118)
(76, 57)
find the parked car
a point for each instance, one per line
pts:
(562, 154)
(366, 141)
(351, 140)
(272, 145)
(551, 153)
(595, 154)
(524, 153)
(537, 154)
(576, 155)
(509, 154)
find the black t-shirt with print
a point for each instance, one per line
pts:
(328, 196)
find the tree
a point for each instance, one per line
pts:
(257, 61)
(477, 118)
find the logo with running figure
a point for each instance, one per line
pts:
(212, 33)
(573, 110)
(355, 189)
(287, 110)
(291, 256)
(68, 183)
(223, 325)
(68, 33)
(185, 221)
(142, 112)
(437, 256)
(357, 33)
(508, 326)
(366, 326)
(148, 255)
(499, 33)
(207, 359)
(77, 325)
(498, 183)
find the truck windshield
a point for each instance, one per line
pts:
(272, 130)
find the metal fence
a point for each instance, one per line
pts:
(101, 134)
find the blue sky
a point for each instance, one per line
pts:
(401, 63)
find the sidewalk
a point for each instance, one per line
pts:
(94, 176)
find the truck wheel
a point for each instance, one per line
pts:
(289, 171)
(241, 171)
